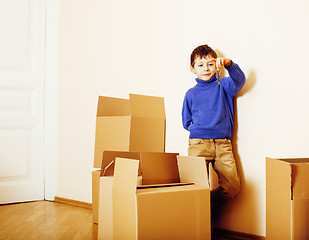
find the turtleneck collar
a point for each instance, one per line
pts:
(202, 82)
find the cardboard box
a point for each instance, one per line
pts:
(166, 162)
(161, 211)
(136, 124)
(287, 198)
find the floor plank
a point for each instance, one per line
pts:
(45, 220)
(42, 220)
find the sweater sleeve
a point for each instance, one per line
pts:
(186, 111)
(237, 79)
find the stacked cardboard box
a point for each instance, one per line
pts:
(139, 191)
(287, 198)
(134, 124)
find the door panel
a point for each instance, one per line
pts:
(22, 63)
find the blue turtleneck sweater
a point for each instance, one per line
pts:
(208, 107)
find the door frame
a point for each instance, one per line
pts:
(51, 98)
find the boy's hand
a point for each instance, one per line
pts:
(223, 62)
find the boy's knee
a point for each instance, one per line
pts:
(231, 189)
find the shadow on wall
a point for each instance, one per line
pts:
(244, 206)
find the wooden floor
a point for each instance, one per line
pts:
(56, 221)
(46, 220)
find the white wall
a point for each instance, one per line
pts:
(118, 47)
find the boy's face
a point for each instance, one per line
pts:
(204, 68)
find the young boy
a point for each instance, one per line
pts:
(208, 115)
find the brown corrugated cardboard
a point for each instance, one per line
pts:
(134, 124)
(95, 195)
(287, 198)
(166, 162)
(174, 212)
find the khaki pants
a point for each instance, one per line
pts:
(219, 150)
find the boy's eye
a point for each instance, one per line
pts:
(200, 65)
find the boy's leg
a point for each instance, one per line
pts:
(225, 167)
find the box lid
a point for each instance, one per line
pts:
(290, 177)
(147, 106)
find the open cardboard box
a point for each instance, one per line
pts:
(167, 162)
(287, 198)
(162, 209)
(134, 124)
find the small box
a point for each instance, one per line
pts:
(161, 211)
(136, 124)
(287, 198)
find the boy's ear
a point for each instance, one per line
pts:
(192, 69)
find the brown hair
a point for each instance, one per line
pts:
(201, 52)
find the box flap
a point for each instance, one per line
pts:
(147, 134)
(110, 156)
(113, 134)
(279, 176)
(124, 201)
(147, 106)
(162, 185)
(193, 169)
(300, 180)
(159, 168)
(296, 176)
(109, 106)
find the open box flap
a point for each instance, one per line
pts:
(279, 176)
(159, 168)
(300, 180)
(193, 169)
(109, 106)
(290, 177)
(147, 106)
(118, 131)
(110, 156)
(147, 134)
(124, 201)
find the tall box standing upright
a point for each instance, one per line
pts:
(136, 124)
(287, 199)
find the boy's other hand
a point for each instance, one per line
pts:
(223, 62)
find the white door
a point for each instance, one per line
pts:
(22, 57)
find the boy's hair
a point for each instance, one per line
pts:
(201, 52)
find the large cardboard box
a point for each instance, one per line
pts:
(166, 162)
(165, 210)
(287, 199)
(134, 124)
